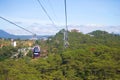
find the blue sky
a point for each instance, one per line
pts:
(85, 15)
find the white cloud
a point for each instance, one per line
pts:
(41, 27)
(89, 28)
(37, 28)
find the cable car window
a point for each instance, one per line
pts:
(36, 49)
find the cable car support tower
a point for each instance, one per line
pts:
(66, 43)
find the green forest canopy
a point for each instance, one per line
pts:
(93, 56)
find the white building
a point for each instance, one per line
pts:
(13, 43)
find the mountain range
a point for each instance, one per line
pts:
(6, 35)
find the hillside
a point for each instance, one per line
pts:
(95, 57)
(79, 40)
(4, 34)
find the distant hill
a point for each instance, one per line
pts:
(79, 40)
(4, 34)
(99, 33)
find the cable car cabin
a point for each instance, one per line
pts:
(36, 51)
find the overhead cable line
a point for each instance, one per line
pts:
(17, 25)
(50, 4)
(46, 13)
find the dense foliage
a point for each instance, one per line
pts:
(93, 56)
(6, 52)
